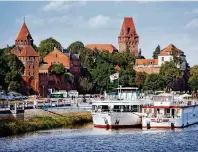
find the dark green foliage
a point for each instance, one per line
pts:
(76, 47)
(194, 78)
(11, 70)
(57, 69)
(156, 52)
(170, 74)
(46, 46)
(154, 82)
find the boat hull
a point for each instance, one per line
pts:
(188, 117)
(116, 120)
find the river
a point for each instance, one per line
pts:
(101, 140)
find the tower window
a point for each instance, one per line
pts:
(56, 55)
(128, 30)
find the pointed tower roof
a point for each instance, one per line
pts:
(128, 24)
(23, 33)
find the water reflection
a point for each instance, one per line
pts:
(98, 139)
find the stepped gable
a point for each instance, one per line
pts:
(102, 47)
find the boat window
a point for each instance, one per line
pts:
(134, 108)
(94, 108)
(105, 108)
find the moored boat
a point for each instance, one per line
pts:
(169, 111)
(123, 111)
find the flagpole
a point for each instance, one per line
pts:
(118, 85)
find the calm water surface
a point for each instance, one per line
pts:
(92, 139)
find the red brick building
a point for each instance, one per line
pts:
(128, 37)
(30, 58)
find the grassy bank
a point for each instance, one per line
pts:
(71, 120)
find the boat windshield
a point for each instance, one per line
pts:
(116, 108)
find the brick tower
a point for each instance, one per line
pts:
(128, 37)
(30, 58)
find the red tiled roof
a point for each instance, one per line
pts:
(23, 33)
(26, 50)
(56, 56)
(146, 61)
(102, 47)
(128, 23)
(168, 50)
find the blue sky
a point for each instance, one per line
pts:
(100, 22)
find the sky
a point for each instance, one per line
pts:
(156, 23)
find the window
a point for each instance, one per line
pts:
(29, 73)
(56, 55)
(29, 66)
(162, 59)
(128, 30)
(32, 67)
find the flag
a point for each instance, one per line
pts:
(114, 76)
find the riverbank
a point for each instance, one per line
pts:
(39, 120)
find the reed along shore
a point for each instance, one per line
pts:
(41, 121)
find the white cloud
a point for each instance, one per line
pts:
(98, 21)
(62, 5)
(192, 24)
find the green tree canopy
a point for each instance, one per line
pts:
(140, 78)
(57, 69)
(156, 52)
(76, 47)
(194, 78)
(47, 45)
(154, 82)
(11, 70)
(170, 73)
(85, 84)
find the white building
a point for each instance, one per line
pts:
(167, 54)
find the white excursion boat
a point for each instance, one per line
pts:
(125, 111)
(169, 111)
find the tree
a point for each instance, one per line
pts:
(11, 70)
(154, 82)
(85, 84)
(140, 78)
(156, 52)
(170, 73)
(194, 78)
(140, 55)
(47, 45)
(57, 69)
(123, 59)
(76, 47)
(127, 77)
(14, 86)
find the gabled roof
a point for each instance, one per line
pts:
(102, 47)
(146, 62)
(24, 51)
(56, 56)
(168, 50)
(128, 24)
(23, 33)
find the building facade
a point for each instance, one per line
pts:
(166, 55)
(128, 37)
(30, 58)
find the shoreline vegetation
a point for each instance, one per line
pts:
(42, 122)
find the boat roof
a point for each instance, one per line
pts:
(122, 102)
